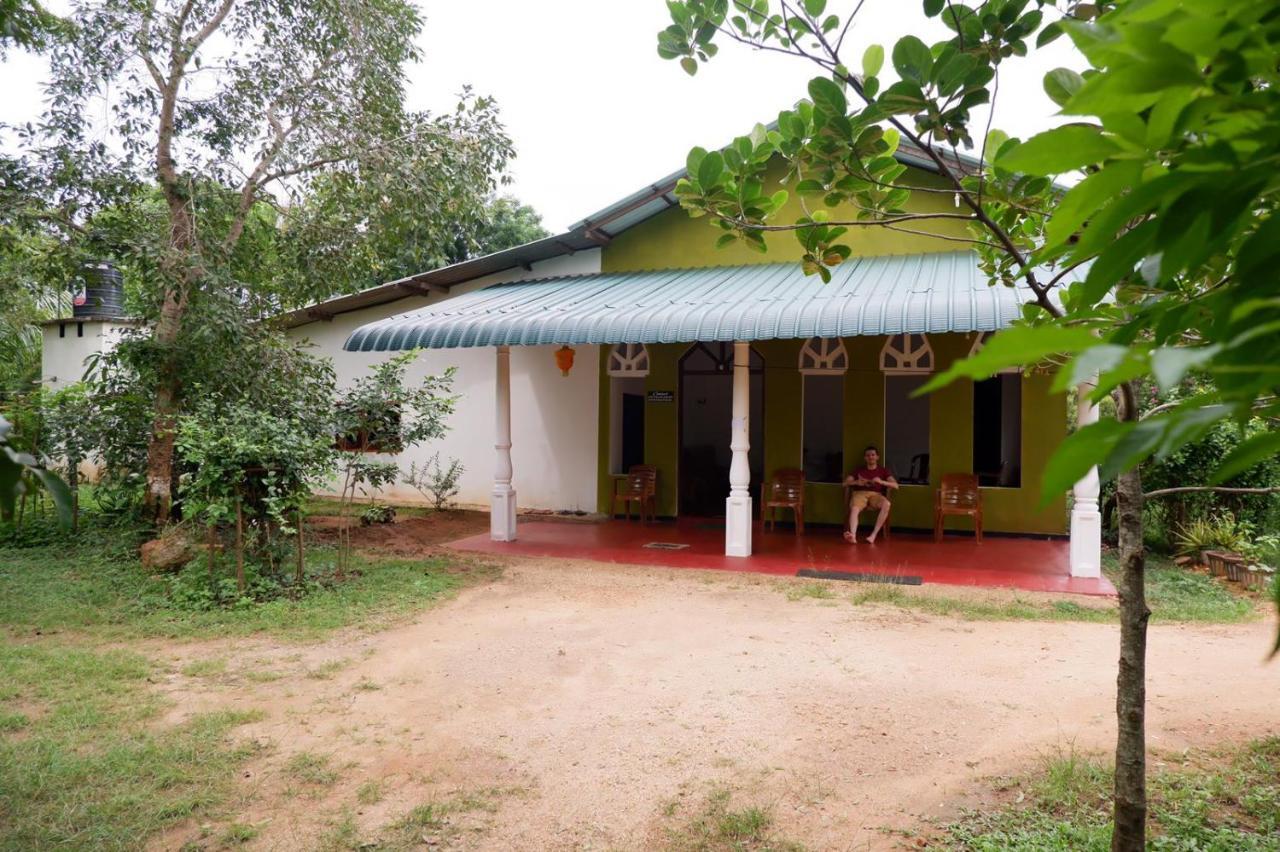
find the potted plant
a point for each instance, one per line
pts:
(1214, 542)
(1261, 554)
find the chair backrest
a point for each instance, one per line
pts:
(642, 479)
(959, 491)
(788, 485)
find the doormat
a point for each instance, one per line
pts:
(665, 545)
(895, 579)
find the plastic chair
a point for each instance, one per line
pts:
(957, 495)
(641, 487)
(785, 491)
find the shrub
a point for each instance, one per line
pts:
(437, 484)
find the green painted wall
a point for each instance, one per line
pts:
(672, 240)
(1044, 417)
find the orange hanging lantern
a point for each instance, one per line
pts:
(564, 360)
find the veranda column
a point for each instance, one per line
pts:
(502, 509)
(737, 526)
(1086, 520)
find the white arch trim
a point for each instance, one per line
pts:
(905, 354)
(628, 360)
(823, 356)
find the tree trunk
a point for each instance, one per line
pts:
(1129, 834)
(160, 448)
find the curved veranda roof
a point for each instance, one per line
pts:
(924, 293)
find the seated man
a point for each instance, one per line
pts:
(870, 484)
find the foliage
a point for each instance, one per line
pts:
(21, 473)
(438, 484)
(1219, 531)
(377, 513)
(382, 412)
(507, 223)
(226, 129)
(28, 24)
(267, 461)
(1226, 798)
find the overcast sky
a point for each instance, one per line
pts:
(593, 111)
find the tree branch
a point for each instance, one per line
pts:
(1187, 489)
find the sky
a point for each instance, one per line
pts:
(595, 114)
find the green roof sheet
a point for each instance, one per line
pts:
(925, 293)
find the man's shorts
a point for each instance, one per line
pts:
(868, 499)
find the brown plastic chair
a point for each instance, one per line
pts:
(641, 487)
(957, 495)
(785, 491)
(885, 532)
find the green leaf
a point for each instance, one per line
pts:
(933, 7)
(1086, 197)
(59, 491)
(1059, 150)
(710, 170)
(872, 60)
(1088, 364)
(690, 65)
(827, 96)
(815, 7)
(1249, 452)
(1170, 363)
(1061, 83)
(1015, 347)
(912, 59)
(1080, 451)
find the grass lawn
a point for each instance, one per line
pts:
(1225, 800)
(83, 762)
(93, 582)
(1174, 594)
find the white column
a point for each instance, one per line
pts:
(1086, 520)
(502, 508)
(737, 515)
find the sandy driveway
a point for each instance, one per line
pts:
(587, 706)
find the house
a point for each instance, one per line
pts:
(630, 338)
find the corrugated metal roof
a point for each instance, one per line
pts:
(928, 293)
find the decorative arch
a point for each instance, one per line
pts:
(905, 354)
(823, 356)
(628, 360)
(979, 341)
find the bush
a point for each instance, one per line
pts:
(439, 485)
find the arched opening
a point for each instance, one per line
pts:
(706, 415)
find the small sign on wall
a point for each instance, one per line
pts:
(659, 396)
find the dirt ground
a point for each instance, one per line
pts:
(585, 706)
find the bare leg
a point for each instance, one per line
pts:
(851, 535)
(880, 519)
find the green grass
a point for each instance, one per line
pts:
(94, 583)
(89, 769)
(1174, 594)
(717, 827)
(1218, 801)
(309, 768)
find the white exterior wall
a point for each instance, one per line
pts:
(63, 355)
(553, 417)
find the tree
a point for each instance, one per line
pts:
(228, 112)
(28, 24)
(1174, 215)
(382, 413)
(507, 223)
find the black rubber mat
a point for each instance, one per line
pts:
(896, 579)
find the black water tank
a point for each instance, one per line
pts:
(102, 293)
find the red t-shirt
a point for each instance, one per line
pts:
(870, 473)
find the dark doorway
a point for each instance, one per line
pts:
(632, 430)
(706, 412)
